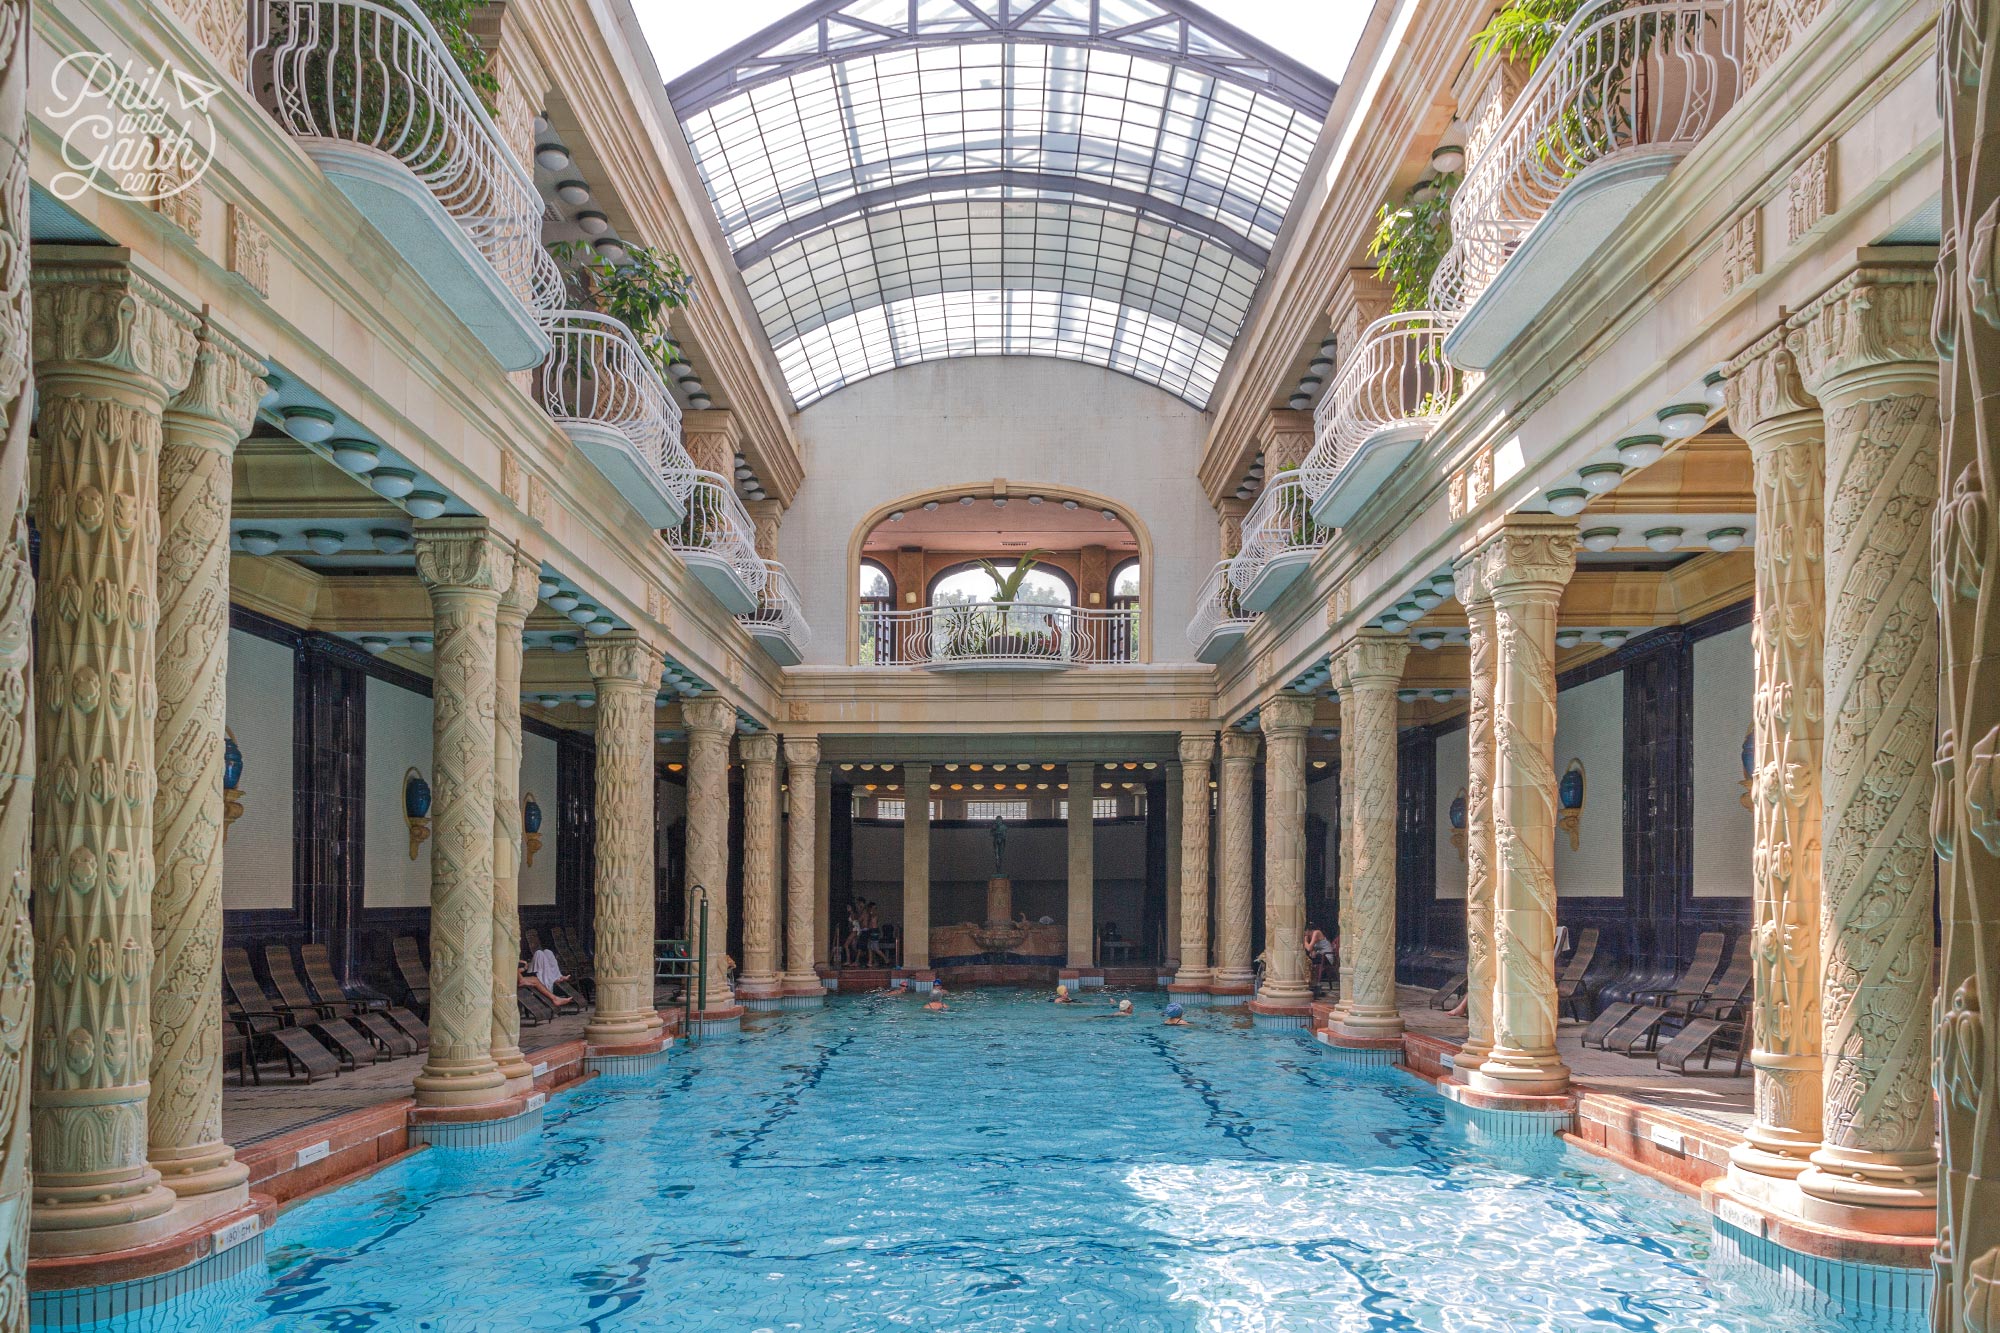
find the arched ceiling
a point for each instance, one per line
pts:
(907, 180)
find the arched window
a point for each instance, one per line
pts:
(1121, 637)
(969, 582)
(1125, 584)
(878, 605)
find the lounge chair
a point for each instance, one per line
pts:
(534, 1006)
(353, 1048)
(410, 970)
(1700, 972)
(1569, 986)
(1641, 1030)
(390, 1025)
(262, 1023)
(1721, 1023)
(1448, 995)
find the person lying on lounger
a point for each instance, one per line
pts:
(562, 1003)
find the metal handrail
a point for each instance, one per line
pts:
(1002, 634)
(376, 73)
(1217, 605)
(1280, 522)
(1620, 76)
(717, 524)
(780, 607)
(1395, 375)
(596, 372)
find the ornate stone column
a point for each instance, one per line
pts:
(625, 672)
(711, 721)
(1197, 752)
(1967, 584)
(110, 350)
(1769, 407)
(1478, 606)
(1524, 568)
(1864, 351)
(465, 565)
(17, 734)
(758, 985)
(184, 1110)
(917, 867)
(1171, 926)
(801, 870)
(1082, 909)
(1233, 974)
(1367, 673)
(1285, 994)
(823, 925)
(517, 599)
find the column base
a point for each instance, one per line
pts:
(1362, 1052)
(715, 1020)
(1358, 1029)
(634, 1057)
(206, 1270)
(482, 1126)
(207, 1181)
(77, 1221)
(615, 1030)
(1505, 1115)
(1870, 1280)
(759, 990)
(1519, 1074)
(514, 1067)
(918, 979)
(1870, 1193)
(1233, 981)
(471, 1084)
(1081, 978)
(1467, 1058)
(1282, 1012)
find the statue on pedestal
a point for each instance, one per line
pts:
(999, 846)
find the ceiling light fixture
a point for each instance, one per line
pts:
(1681, 420)
(258, 541)
(308, 424)
(573, 192)
(592, 223)
(392, 483)
(325, 541)
(1600, 539)
(1664, 539)
(551, 156)
(391, 541)
(563, 602)
(1568, 501)
(1602, 477)
(1715, 388)
(1640, 450)
(355, 455)
(426, 504)
(1725, 539)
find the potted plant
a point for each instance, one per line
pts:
(1003, 637)
(639, 293)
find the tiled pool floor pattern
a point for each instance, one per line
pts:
(1007, 1165)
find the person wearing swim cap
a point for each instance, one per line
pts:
(936, 1002)
(1062, 995)
(1124, 1008)
(1175, 1016)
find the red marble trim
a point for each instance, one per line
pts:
(1335, 1037)
(1598, 1150)
(1823, 1242)
(715, 1015)
(1282, 1010)
(69, 1272)
(504, 1109)
(1229, 990)
(1465, 1095)
(650, 1046)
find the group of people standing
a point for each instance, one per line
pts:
(862, 942)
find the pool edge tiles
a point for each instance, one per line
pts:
(461, 1135)
(219, 1281)
(1870, 1297)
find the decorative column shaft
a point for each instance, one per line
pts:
(465, 565)
(17, 701)
(1171, 926)
(1197, 753)
(1479, 969)
(1367, 673)
(823, 924)
(1524, 568)
(1966, 583)
(110, 349)
(625, 671)
(711, 720)
(1769, 407)
(1864, 351)
(757, 981)
(1081, 914)
(1285, 719)
(184, 1110)
(1233, 974)
(917, 866)
(801, 866)
(517, 599)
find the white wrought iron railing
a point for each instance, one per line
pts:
(1395, 375)
(597, 373)
(375, 73)
(1279, 524)
(1217, 607)
(779, 607)
(997, 634)
(1621, 76)
(718, 527)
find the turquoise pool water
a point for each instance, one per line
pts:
(1008, 1165)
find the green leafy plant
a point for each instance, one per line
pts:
(342, 84)
(639, 293)
(1524, 30)
(1005, 590)
(1411, 238)
(453, 21)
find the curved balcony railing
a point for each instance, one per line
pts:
(375, 73)
(1278, 531)
(1395, 377)
(1620, 77)
(596, 374)
(997, 636)
(780, 612)
(718, 534)
(1218, 614)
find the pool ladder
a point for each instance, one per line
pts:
(686, 961)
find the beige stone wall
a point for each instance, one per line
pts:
(257, 860)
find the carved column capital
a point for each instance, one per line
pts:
(1528, 556)
(1286, 714)
(626, 659)
(1197, 747)
(711, 714)
(94, 311)
(463, 555)
(1372, 659)
(223, 387)
(1466, 583)
(759, 748)
(801, 752)
(1876, 316)
(1239, 747)
(1765, 383)
(522, 591)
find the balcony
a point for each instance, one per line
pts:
(1391, 390)
(717, 542)
(374, 98)
(1280, 538)
(1220, 621)
(1626, 91)
(598, 386)
(779, 622)
(998, 636)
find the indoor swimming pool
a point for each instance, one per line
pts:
(1007, 1165)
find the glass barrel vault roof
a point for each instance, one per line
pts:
(906, 180)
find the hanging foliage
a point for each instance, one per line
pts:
(638, 292)
(1524, 30)
(1411, 237)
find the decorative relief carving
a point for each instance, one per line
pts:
(517, 600)
(513, 484)
(541, 501)
(183, 203)
(1769, 27)
(1197, 753)
(1742, 250)
(625, 671)
(711, 720)
(1479, 812)
(1232, 908)
(1284, 719)
(249, 249)
(797, 710)
(222, 27)
(1809, 194)
(801, 833)
(1371, 667)
(759, 973)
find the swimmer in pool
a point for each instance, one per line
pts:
(936, 1002)
(1062, 995)
(1124, 1010)
(1174, 1017)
